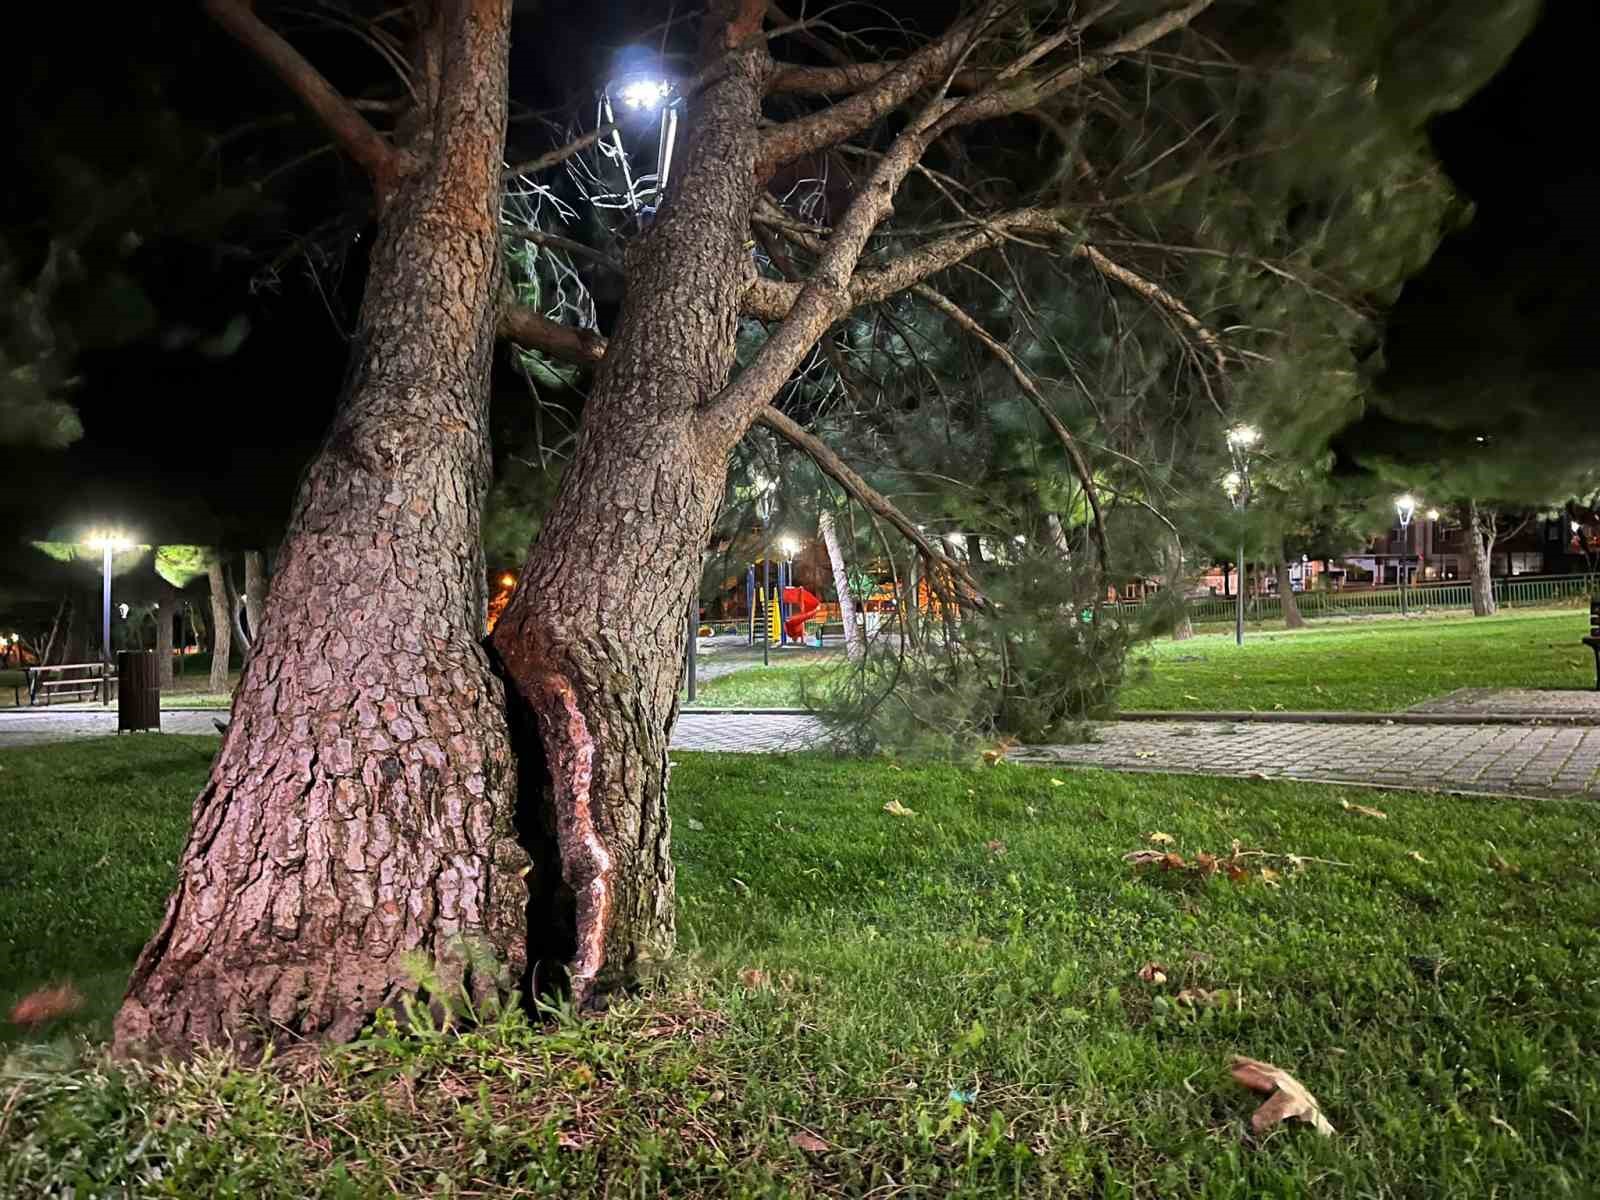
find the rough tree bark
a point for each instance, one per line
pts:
(1481, 531)
(360, 809)
(593, 635)
(854, 639)
(221, 623)
(1291, 606)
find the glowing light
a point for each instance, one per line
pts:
(1432, 514)
(106, 540)
(1242, 437)
(645, 94)
(789, 546)
(508, 580)
(1404, 507)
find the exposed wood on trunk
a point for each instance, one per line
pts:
(164, 613)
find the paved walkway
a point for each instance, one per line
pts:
(1525, 760)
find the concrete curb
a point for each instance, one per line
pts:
(1335, 717)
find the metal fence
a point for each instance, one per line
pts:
(1515, 592)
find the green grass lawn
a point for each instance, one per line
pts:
(943, 1003)
(1368, 666)
(1376, 666)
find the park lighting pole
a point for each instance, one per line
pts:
(108, 544)
(1236, 483)
(1404, 507)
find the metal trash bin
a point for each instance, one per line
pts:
(138, 691)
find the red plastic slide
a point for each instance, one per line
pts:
(805, 609)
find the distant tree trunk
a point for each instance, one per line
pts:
(255, 591)
(63, 619)
(165, 610)
(1291, 606)
(1176, 582)
(359, 815)
(1481, 530)
(854, 637)
(79, 634)
(221, 624)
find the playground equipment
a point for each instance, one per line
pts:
(783, 611)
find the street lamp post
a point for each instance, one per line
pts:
(1236, 483)
(108, 544)
(1405, 507)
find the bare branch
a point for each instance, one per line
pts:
(1026, 382)
(1156, 295)
(532, 330)
(350, 130)
(555, 241)
(559, 155)
(831, 465)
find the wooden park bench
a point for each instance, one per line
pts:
(1593, 640)
(72, 681)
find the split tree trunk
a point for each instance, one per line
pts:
(1480, 539)
(854, 636)
(360, 809)
(1291, 606)
(221, 623)
(593, 635)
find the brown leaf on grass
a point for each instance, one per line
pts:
(755, 979)
(1172, 862)
(1270, 877)
(895, 809)
(1198, 997)
(46, 1004)
(1286, 1097)
(1153, 972)
(1364, 810)
(1162, 839)
(807, 1141)
(995, 847)
(1237, 873)
(1144, 858)
(1205, 863)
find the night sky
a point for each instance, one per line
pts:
(182, 446)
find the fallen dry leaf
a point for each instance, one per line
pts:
(1197, 997)
(754, 979)
(1172, 862)
(1162, 839)
(895, 809)
(1237, 873)
(807, 1141)
(46, 1004)
(1417, 854)
(1144, 858)
(1285, 1096)
(1270, 877)
(1153, 972)
(1363, 810)
(1207, 863)
(995, 847)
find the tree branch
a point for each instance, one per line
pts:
(350, 130)
(532, 330)
(1026, 382)
(831, 465)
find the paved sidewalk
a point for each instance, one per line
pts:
(752, 733)
(1543, 761)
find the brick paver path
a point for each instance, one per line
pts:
(1565, 703)
(1526, 760)
(1520, 760)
